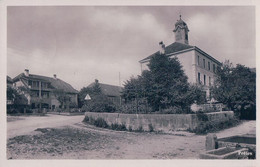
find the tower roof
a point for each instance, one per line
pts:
(180, 23)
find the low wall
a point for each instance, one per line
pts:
(160, 122)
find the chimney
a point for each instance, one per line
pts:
(162, 47)
(54, 76)
(26, 72)
(96, 81)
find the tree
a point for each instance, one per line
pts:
(132, 89)
(98, 103)
(17, 98)
(63, 98)
(92, 91)
(236, 87)
(19, 101)
(164, 85)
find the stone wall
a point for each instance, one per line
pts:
(160, 122)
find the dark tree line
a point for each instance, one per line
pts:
(236, 87)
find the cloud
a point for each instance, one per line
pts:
(80, 44)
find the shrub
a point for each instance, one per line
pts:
(213, 126)
(100, 122)
(140, 129)
(99, 103)
(173, 110)
(202, 117)
(139, 106)
(118, 127)
(151, 128)
(130, 129)
(86, 119)
(74, 110)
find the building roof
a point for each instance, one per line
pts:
(55, 83)
(109, 90)
(176, 48)
(172, 48)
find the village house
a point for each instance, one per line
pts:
(199, 66)
(111, 91)
(42, 91)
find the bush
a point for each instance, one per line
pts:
(132, 107)
(130, 129)
(100, 122)
(86, 119)
(140, 129)
(75, 110)
(172, 110)
(202, 117)
(99, 103)
(213, 126)
(151, 128)
(118, 127)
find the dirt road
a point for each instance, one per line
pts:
(75, 140)
(27, 124)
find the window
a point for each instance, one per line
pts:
(214, 68)
(209, 81)
(204, 65)
(45, 94)
(204, 79)
(209, 66)
(198, 77)
(30, 83)
(198, 60)
(35, 84)
(44, 85)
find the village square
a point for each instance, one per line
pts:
(170, 99)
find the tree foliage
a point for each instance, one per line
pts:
(98, 102)
(63, 98)
(164, 85)
(16, 97)
(236, 87)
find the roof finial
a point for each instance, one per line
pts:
(180, 16)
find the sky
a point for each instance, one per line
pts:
(84, 43)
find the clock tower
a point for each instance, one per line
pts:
(181, 32)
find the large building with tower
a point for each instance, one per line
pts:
(199, 66)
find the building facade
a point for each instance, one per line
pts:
(43, 92)
(199, 66)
